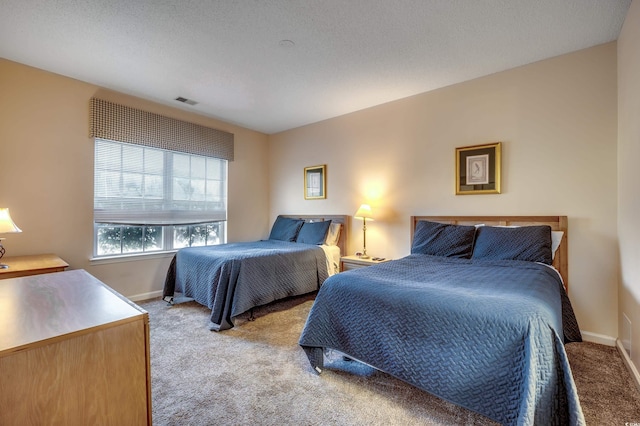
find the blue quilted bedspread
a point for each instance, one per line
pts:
(486, 335)
(232, 278)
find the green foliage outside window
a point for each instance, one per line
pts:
(123, 239)
(204, 234)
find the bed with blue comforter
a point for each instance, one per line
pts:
(233, 278)
(482, 332)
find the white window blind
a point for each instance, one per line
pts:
(140, 185)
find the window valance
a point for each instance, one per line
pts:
(125, 124)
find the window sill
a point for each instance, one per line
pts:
(137, 257)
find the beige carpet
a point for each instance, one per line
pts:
(257, 374)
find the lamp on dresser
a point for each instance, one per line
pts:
(364, 213)
(6, 227)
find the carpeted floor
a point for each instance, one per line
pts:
(257, 374)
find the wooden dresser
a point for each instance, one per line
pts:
(72, 352)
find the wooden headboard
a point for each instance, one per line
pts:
(342, 219)
(557, 223)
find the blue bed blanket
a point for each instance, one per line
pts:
(486, 335)
(233, 278)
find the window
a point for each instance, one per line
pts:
(151, 200)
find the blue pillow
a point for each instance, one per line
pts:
(529, 243)
(441, 239)
(314, 232)
(285, 229)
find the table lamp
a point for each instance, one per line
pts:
(364, 213)
(6, 226)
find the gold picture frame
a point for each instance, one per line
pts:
(315, 182)
(478, 169)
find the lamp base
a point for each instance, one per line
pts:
(365, 256)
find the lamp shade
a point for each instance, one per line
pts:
(6, 224)
(364, 212)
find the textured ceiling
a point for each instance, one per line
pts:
(278, 64)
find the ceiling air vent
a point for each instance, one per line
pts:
(185, 101)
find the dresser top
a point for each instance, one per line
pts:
(42, 307)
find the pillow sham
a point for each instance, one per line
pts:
(441, 239)
(333, 235)
(556, 238)
(285, 229)
(313, 232)
(528, 243)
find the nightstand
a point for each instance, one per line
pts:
(21, 266)
(355, 262)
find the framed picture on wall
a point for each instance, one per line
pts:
(478, 169)
(315, 182)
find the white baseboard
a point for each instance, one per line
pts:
(627, 361)
(145, 296)
(598, 338)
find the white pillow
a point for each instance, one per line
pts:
(333, 235)
(556, 238)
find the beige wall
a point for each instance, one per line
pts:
(628, 193)
(46, 174)
(557, 121)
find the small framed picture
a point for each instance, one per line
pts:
(315, 182)
(478, 169)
